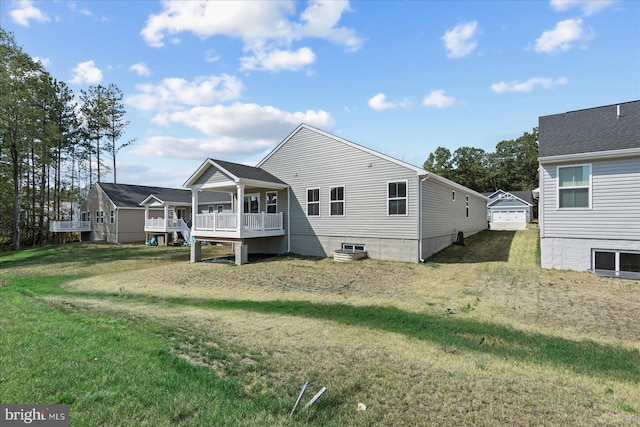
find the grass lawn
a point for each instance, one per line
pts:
(479, 335)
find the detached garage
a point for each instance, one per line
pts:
(508, 211)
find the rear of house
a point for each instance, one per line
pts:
(590, 190)
(342, 194)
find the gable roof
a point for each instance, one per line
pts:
(183, 198)
(590, 130)
(131, 196)
(419, 171)
(237, 172)
(526, 195)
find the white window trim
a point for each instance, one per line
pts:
(271, 204)
(616, 253)
(466, 203)
(249, 196)
(343, 201)
(306, 211)
(112, 216)
(405, 198)
(568, 188)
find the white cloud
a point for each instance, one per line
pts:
(238, 130)
(277, 60)
(438, 99)
(74, 7)
(86, 72)
(140, 68)
(562, 37)
(379, 102)
(460, 40)
(172, 93)
(265, 27)
(529, 85)
(210, 56)
(45, 62)
(589, 7)
(24, 11)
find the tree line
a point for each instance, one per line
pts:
(53, 144)
(512, 167)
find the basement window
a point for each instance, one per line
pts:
(616, 263)
(353, 247)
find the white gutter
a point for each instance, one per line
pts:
(609, 154)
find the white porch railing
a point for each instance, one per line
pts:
(185, 230)
(229, 222)
(69, 226)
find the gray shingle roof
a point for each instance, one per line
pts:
(248, 172)
(130, 196)
(590, 130)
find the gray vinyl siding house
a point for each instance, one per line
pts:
(590, 190)
(331, 192)
(509, 210)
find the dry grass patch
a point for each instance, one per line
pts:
(403, 381)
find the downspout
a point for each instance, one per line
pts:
(288, 219)
(117, 228)
(540, 203)
(420, 217)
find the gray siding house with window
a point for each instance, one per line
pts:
(590, 190)
(329, 193)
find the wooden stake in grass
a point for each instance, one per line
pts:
(316, 397)
(304, 388)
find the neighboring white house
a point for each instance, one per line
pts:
(316, 192)
(509, 210)
(590, 190)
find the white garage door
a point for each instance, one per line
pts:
(508, 216)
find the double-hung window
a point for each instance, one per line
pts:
(313, 202)
(466, 202)
(272, 202)
(574, 186)
(337, 200)
(112, 216)
(397, 198)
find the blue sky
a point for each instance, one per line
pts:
(231, 79)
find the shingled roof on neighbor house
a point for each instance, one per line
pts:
(130, 196)
(610, 127)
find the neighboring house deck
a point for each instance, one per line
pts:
(590, 190)
(509, 210)
(114, 213)
(315, 193)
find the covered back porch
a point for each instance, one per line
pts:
(259, 202)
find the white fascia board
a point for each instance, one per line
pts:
(595, 155)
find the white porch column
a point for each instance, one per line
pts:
(146, 214)
(166, 217)
(240, 206)
(194, 209)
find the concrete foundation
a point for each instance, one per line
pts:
(241, 252)
(196, 251)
